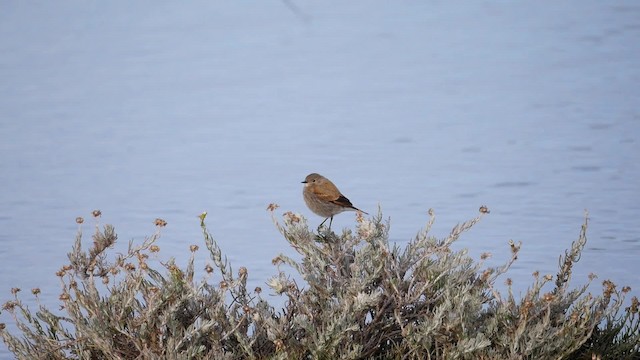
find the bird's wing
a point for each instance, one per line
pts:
(327, 191)
(343, 201)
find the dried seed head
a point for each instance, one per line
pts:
(160, 223)
(485, 255)
(626, 289)
(592, 276)
(154, 248)
(9, 305)
(194, 248)
(486, 274)
(64, 297)
(508, 282)
(15, 290)
(105, 280)
(548, 297)
(484, 209)
(223, 284)
(258, 290)
(67, 267)
(431, 212)
(279, 344)
(60, 273)
(129, 267)
(144, 266)
(247, 309)
(153, 289)
(35, 291)
(2, 326)
(242, 272)
(548, 277)
(272, 207)
(536, 274)
(291, 218)
(79, 220)
(609, 287)
(575, 316)
(634, 305)
(208, 269)
(96, 213)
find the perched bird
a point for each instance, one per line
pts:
(324, 198)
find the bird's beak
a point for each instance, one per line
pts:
(304, 182)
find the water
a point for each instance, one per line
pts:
(167, 110)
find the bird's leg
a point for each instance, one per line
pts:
(330, 222)
(325, 220)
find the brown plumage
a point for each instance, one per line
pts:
(324, 199)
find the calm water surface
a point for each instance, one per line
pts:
(168, 110)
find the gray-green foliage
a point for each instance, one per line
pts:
(360, 297)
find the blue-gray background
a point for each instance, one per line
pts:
(157, 109)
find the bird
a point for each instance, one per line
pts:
(324, 199)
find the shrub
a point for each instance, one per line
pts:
(359, 297)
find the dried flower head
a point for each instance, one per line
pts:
(96, 213)
(194, 248)
(2, 326)
(60, 273)
(291, 218)
(105, 280)
(258, 290)
(247, 309)
(485, 255)
(626, 289)
(35, 291)
(242, 272)
(508, 282)
(634, 305)
(154, 248)
(484, 209)
(64, 297)
(15, 290)
(431, 212)
(536, 274)
(592, 276)
(486, 274)
(223, 284)
(279, 344)
(9, 305)
(548, 277)
(208, 269)
(79, 220)
(129, 267)
(272, 207)
(144, 266)
(548, 297)
(160, 223)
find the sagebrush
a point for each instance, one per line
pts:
(360, 297)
